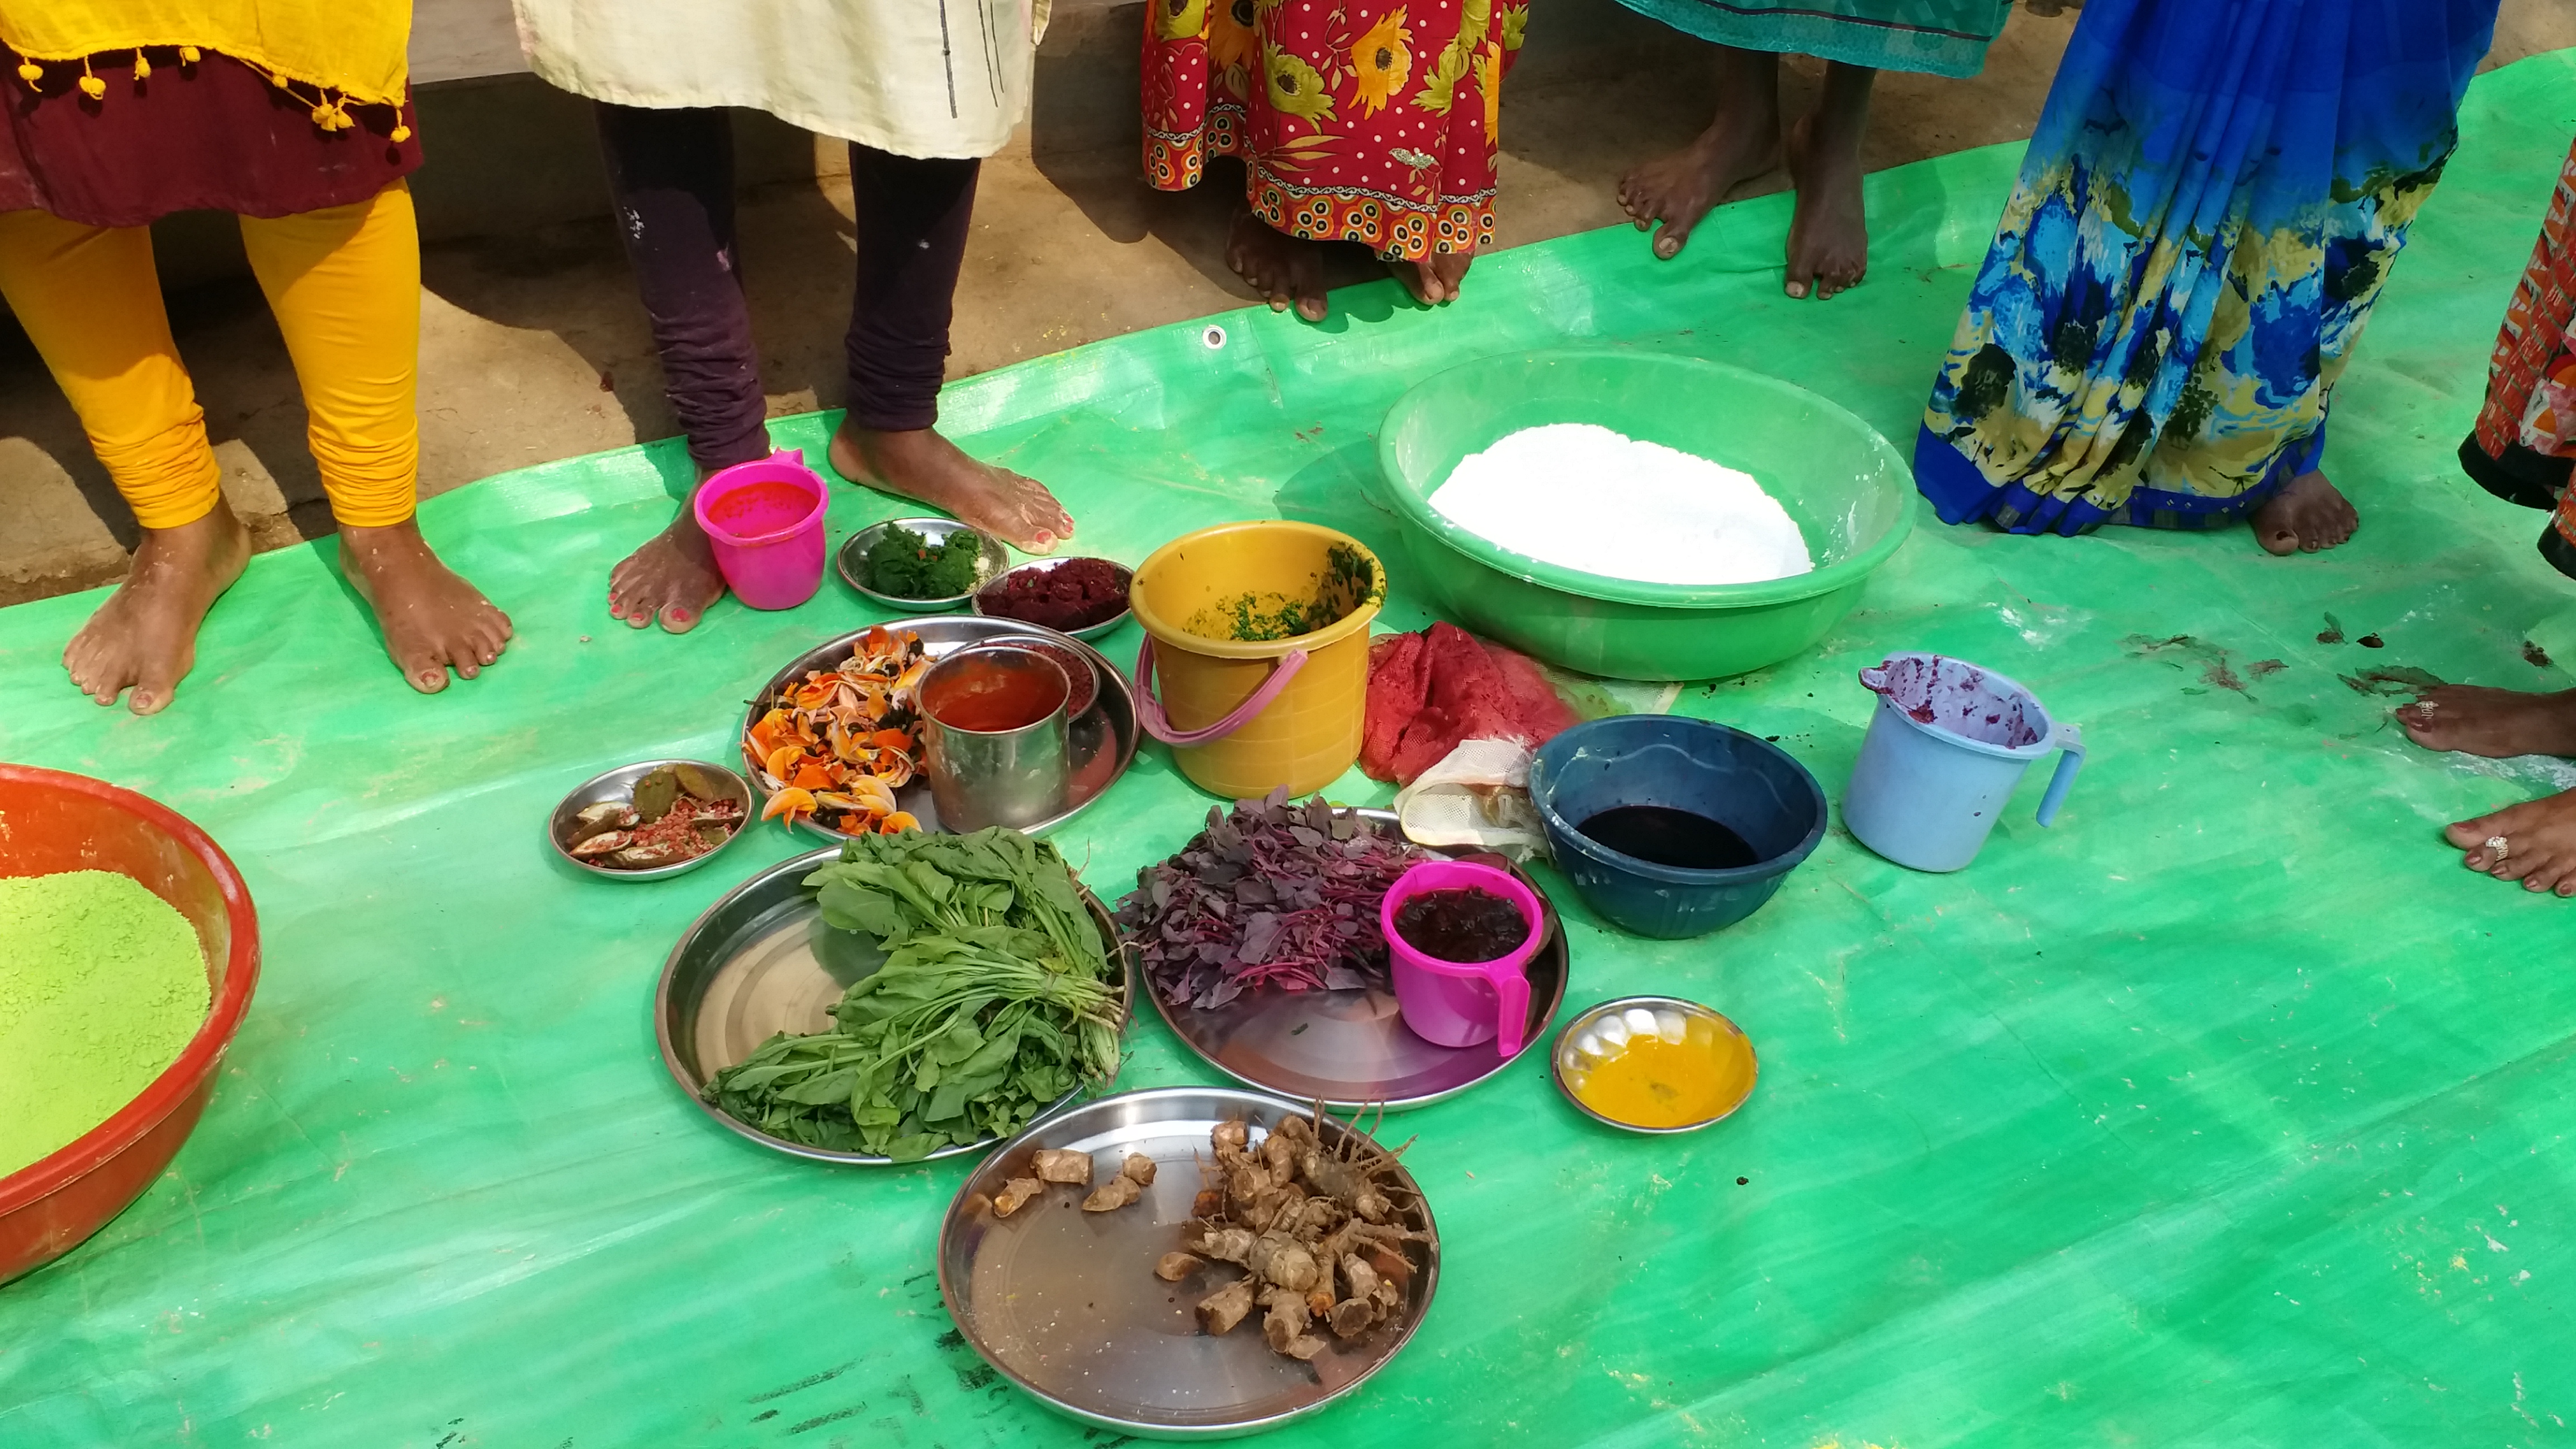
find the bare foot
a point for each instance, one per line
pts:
(1829, 235)
(921, 465)
(2539, 847)
(433, 620)
(672, 578)
(145, 635)
(1282, 268)
(2306, 515)
(2496, 723)
(1433, 282)
(1741, 144)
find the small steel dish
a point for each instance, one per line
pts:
(1565, 1052)
(1066, 1305)
(619, 784)
(760, 961)
(852, 561)
(1043, 565)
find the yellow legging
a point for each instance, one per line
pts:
(345, 285)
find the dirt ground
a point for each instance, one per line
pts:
(534, 347)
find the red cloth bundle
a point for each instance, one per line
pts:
(1428, 691)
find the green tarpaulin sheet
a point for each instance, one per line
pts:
(2230, 1111)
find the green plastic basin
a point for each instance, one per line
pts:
(1847, 487)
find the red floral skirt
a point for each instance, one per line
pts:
(2526, 434)
(1356, 120)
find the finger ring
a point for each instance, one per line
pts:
(2498, 847)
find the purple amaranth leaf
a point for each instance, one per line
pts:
(1270, 896)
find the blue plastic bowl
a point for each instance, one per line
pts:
(1746, 783)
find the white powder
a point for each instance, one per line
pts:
(1580, 496)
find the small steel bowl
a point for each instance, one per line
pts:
(619, 784)
(1563, 1050)
(1042, 565)
(852, 561)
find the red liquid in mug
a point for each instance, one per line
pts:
(991, 698)
(759, 508)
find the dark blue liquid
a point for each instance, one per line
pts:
(1683, 839)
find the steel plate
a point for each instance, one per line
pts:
(619, 785)
(1352, 1048)
(991, 561)
(1065, 1303)
(1109, 625)
(761, 961)
(1102, 739)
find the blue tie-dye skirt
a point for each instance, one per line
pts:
(2209, 207)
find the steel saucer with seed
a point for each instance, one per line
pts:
(618, 785)
(1066, 1305)
(991, 560)
(761, 961)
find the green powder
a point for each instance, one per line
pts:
(101, 986)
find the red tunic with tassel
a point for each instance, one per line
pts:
(126, 138)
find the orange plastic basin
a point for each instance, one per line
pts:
(51, 821)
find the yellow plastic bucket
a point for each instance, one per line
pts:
(1253, 694)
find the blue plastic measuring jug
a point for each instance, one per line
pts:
(1947, 745)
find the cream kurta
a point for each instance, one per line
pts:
(947, 78)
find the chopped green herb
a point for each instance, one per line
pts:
(908, 566)
(1350, 581)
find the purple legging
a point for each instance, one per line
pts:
(671, 175)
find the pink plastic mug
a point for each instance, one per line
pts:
(1455, 1003)
(765, 520)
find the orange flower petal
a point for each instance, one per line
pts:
(897, 823)
(790, 803)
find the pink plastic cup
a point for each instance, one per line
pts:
(1453, 1003)
(765, 520)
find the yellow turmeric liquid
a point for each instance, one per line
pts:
(1656, 1083)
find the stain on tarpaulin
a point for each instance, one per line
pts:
(807, 1382)
(807, 1426)
(973, 1374)
(2217, 664)
(2398, 681)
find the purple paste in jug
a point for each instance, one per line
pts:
(1955, 697)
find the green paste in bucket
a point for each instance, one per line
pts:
(1349, 580)
(101, 986)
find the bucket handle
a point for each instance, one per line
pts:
(1149, 710)
(2070, 742)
